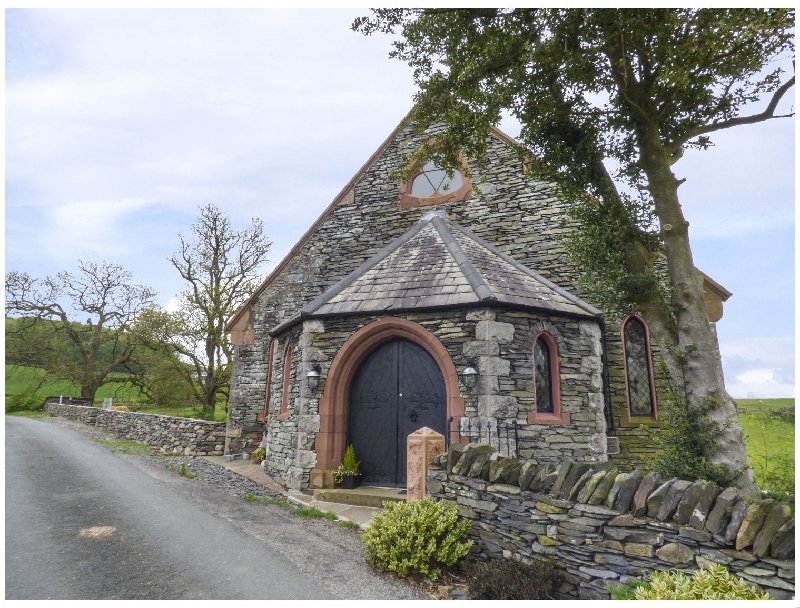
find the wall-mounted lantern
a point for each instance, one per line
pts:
(312, 378)
(469, 377)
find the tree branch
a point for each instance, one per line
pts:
(767, 114)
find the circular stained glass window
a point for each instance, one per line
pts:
(433, 181)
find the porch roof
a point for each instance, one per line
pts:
(440, 264)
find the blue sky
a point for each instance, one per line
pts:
(120, 123)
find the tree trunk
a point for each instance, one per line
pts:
(88, 391)
(696, 335)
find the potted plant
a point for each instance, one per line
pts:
(347, 475)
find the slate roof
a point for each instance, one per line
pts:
(440, 264)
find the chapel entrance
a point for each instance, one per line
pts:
(397, 390)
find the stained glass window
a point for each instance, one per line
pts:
(541, 366)
(433, 180)
(637, 367)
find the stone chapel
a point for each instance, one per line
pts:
(432, 303)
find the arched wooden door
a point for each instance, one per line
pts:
(397, 390)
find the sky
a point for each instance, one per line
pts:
(120, 124)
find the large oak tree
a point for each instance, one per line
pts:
(76, 325)
(608, 100)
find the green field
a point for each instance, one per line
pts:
(20, 380)
(770, 442)
(24, 380)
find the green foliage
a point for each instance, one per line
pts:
(686, 442)
(183, 470)
(349, 466)
(315, 512)
(50, 331)
(124, 446)
(604, 245)
(346, 523)
(769, 430)
(714, 583)
(34, 415)
(258, 455)
(688, 437)
(609, 100)
(627, 591)
(417, 536)
(23, 379)
(508, 579)
(28, 401)
(770, 441)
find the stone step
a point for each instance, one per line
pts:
(364, 496)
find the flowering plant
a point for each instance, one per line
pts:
(349, 465)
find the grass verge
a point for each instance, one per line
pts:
(35, 415)
(124, 446)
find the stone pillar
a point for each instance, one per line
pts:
(423, 446)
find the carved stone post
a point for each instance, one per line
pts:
(423, 446)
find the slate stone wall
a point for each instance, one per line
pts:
(165, 433)
(520, 216)
(80, 413)
(498, 342)
(603, 527)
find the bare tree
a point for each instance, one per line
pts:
(102, 294)
(220, 268)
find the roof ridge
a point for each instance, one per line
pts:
(476, 281)
(530, 272)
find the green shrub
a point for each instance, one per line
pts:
(416, 536)
(714, 583)
(258, 455)
(504, 579)
(627, 591)
(24, 402)
(688, 437)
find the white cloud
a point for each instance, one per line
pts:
(92, 227)
(759, 383)
(759, 367)
(172, 305)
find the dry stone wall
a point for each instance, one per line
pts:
(80, 413)
(167, 434)
(603, 527)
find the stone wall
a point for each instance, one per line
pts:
(498, 342)
(602, 527)
(167, 434)
(80, 413)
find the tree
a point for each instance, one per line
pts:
(608, 100)
(219, 266)
(91, 353)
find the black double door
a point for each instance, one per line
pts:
(397, 390)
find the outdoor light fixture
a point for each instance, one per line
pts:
(313, 378)
(469, 377)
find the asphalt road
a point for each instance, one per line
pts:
(83, 522)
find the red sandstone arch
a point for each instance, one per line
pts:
(330, 441)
